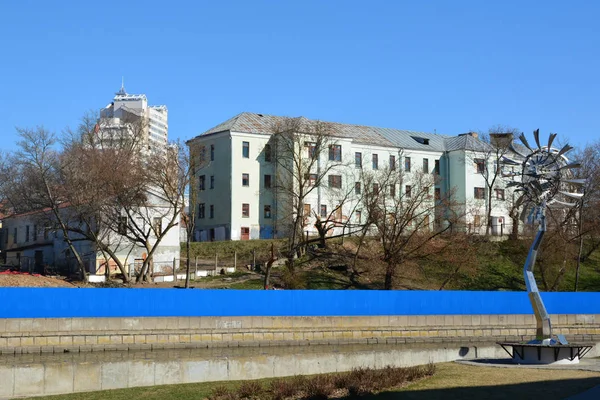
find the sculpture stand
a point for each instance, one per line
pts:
(544, 349)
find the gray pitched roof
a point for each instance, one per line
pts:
(465, 142)
(247, 122)
(263, 124)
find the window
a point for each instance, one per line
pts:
(211, 212)
(375, 161)
(393, 190)
(335, 152)
(437, 194)
(427, 191)
(306, 210)
(212, 181)
(267, 181)
(245, 179)
(338, 213)
(212, 152)
(202, 154)
(310, 179)
(358, 216)
(122, 226)
(392, 163)
(499, 194)
(477, 220)
(479, 165)
(406, 164)
(335, 181)
(357, 188)
(201, 210)
(267, 212)
(408, 191)
(479, 193)
(157, 225)
(15, 235)
(46, 231)
(245, 210)
(27, 233)
(323, 211)
(267, 152)
(358, 160)
(436, 168)
(202, 182)
(311, 149)
(425, 165)
(246, 149)
(376, 188)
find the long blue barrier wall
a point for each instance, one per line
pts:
(64, 303)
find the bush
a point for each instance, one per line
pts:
(222, 393)
(293, 280)
(319, 387)
(250, 390)
(282, 388)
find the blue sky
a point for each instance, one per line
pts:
(449, 66)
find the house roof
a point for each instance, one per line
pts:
(247, 122)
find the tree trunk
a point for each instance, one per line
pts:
(269, 265)
(580, 250)
(187, 263)
(390, 271)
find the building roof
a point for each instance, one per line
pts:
(247, 122)
(465, 142)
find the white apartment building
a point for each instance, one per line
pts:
(154, 132)
(236, 178)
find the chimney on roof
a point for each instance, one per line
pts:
(472, 134)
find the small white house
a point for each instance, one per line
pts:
(31, 241)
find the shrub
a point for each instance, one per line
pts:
(250, 390)
(319, 387)
(222, 393)
(293, 280)
(282, 388)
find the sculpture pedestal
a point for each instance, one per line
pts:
(544, 353)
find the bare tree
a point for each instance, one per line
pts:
(486, 157)
(98, 171)
(403, 207)
(37, 183)
(305, 155)
(191, 160)
(588, 218)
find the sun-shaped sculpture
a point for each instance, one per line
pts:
(545, 179)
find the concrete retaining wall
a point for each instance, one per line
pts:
(34, 376)
(57, 335)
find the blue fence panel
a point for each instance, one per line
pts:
(64, 303)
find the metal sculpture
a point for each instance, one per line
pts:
(545, 181)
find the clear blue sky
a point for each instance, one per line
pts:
(452, 66)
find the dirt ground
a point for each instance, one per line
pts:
(26, 280)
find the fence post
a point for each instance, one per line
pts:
(216, 261)
(196, 267)
(253, 259)
(174, 271)
(502, 229)
(235, 260)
